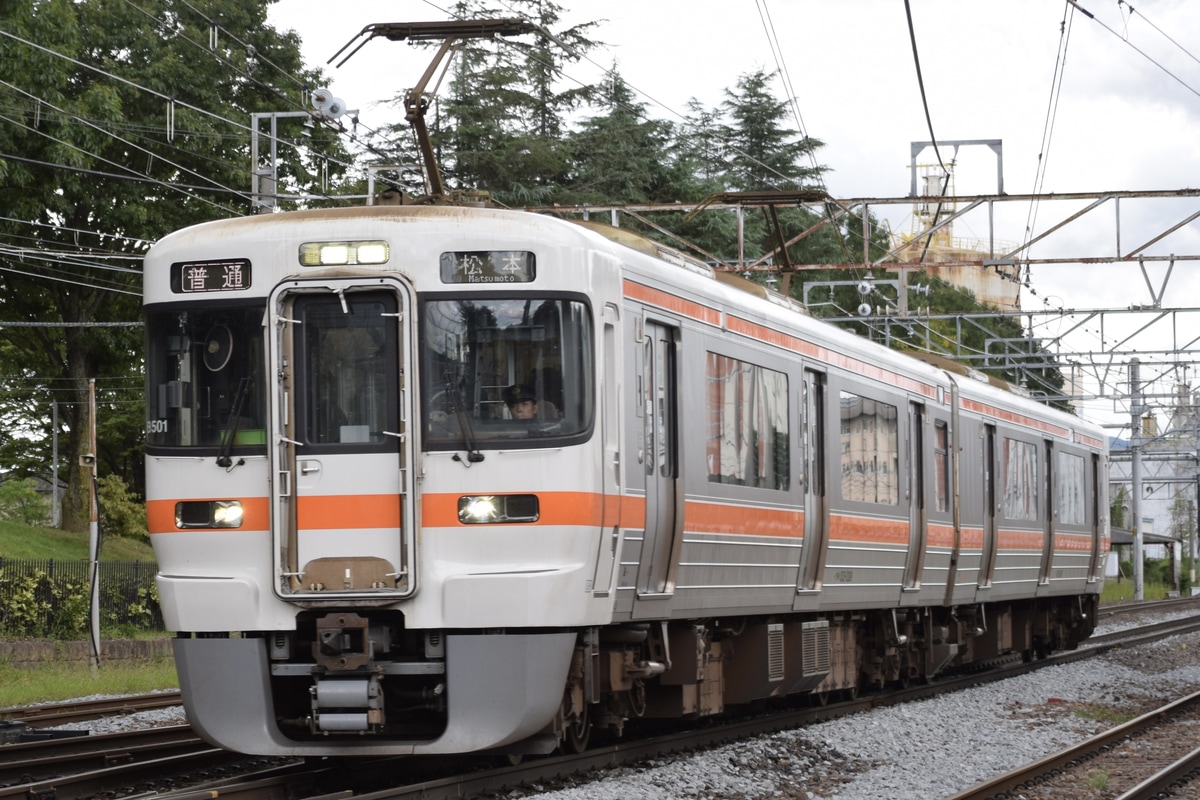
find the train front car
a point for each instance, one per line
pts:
(376, 476)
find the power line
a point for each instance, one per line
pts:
(84, 284)
(132, 240)
(109, 161)
(1139, 51)
(1060, 66)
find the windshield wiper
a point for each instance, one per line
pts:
(224, 457)
(464, 424)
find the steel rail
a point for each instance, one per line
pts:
(495, 780)
(38, 761)
(1029, 772)
(82, 710)
(1182, 772)
(108, 780)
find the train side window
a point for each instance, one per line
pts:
(870, 450)
(747, 442)
(1020, 471)
(941, 465)
(1069, 486)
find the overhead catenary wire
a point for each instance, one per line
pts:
(1043, 156)
(98, 157)
(248, 74)
(1139, 51)
(132, 84)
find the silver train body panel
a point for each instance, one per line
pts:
(715, 453)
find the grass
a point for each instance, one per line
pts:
(51, 682)
(1117, 592)
(54, 682)
(22, 541)
(1112, 716)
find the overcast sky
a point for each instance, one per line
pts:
(1123, 120)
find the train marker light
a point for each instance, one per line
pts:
(475, 509)
(341, 254)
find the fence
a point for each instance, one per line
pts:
(47, 598)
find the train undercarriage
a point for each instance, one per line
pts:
(349, 678)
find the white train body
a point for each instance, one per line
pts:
(721, 500)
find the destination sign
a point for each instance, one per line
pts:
(488, 266)
(223, 275)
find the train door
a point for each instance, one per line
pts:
(918, 521)
(987, 559)
(658, 398)
(342, 493)
(1099, 495)
(816, 516)
(949, 456)
(1048, 515)
(611, 396)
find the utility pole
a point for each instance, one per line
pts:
(89, 461)
(1135, 447)
(1195, 407)
(55, 516)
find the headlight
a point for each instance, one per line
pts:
(208, 514)
(340, 254)
(475, 509)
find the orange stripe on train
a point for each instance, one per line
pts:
(160, 514)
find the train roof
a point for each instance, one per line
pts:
(690, 275)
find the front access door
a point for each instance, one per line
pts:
(342, 493)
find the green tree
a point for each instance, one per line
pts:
(760, 150)
(621, 155)
(123, 121)
(121, 514)
(20, 501)
(501, 126)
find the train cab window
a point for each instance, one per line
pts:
(747, 424)
(346, 364)
(500, 371)
(204, 372)
(1069, 486)
(1020, 473)
(870, 450)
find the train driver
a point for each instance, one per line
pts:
(521, 401)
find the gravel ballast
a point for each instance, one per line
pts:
(921, 750)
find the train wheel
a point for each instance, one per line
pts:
(579, 732)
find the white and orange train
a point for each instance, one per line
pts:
(719, 500)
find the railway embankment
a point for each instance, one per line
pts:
(31, 654)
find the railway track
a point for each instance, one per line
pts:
(50, 714)
(1148, 606)
(373, 779)
(39, 761)
(1138, 760)
(163, 761)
